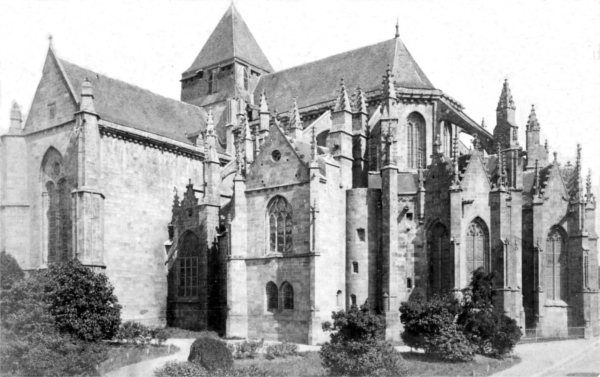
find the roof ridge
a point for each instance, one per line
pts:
(127, 83)
(327, 57)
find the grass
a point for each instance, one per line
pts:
(308, 364)
(120, 355)
(177, 333)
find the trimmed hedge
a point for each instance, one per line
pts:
(211, 354)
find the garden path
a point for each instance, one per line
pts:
(146, 368)
(538, 359)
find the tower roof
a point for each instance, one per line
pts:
(230, 40)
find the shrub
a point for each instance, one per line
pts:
(31, 344)
(281, 350)
(357, 347)
(246, 349)
(10, 271)
(180, 369)
(135, 332)
(161, 335)
(81, 301)
(211, 354)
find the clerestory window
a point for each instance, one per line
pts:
(280, 225)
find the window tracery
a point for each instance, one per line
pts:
(477, 247)
(556, 265)
(415, 141)
(280, 225)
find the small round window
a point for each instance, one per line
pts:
(276, 155)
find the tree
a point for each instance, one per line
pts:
(10, 271)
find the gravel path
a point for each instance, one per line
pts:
(146, 368)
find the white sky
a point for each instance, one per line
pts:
(549, 50)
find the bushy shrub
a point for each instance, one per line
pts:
(10, 271)
(139, 334)
(246, 349)
(211, 354)
(31, 344)
(491, 332)
(282, 350)
(431, 326)
(180, 369)
(455, 329)
(81, 301)
(356, 345)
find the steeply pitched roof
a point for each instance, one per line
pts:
(230, 39)
(129, 105)
(318, 81)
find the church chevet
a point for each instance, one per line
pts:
(265, 200)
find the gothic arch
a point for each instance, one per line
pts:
(556, 264)
(416, 141)
(477, 246)
(56, 208)
(287, 295)
(440, 260)
(279, 225)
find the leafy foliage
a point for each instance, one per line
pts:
(10, 271)
(187, 369)
(246, 349)
(357, 347)
(211, 354)
(31, 343)
(455, 329)
(139, 334)
(81, 301)
(281, 350)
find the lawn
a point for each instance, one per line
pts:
(120, 355)
(309, 365)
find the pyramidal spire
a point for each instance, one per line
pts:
(506, 100)
(343, 101)
(230, 40)
(532, 121)
(295, 122)
(361, 102)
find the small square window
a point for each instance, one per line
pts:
(409, 283)
(355, 267)
(361, 234)
(409, 216)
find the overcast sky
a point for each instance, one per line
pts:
(549, 50)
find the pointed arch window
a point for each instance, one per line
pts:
(415, 141)
(447, 138)
(288, 296)
(56, 205)
(188, 266)
(556, 265)
(272, 297)
(477, 247)
(280, 225)
(441, 260)
(213, 81)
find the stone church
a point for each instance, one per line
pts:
(264, 200)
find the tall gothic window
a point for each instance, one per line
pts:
(288, 295)
(441, 261)
(213, 81)
(272, 297)
(56, 204)
(556, 265)
(188, 265)
(280, 225)
(447, 138)
(415, 141)
(477, 247)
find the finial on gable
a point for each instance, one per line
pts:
(483, 123)
(50, 41)
(555, 157)
(295, 120)
(506, 99)
(397, 29)
(343, 102)
(389, 91)
(264, 105)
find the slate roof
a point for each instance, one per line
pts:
(319, 81)
(129, 105)
(230, 39)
